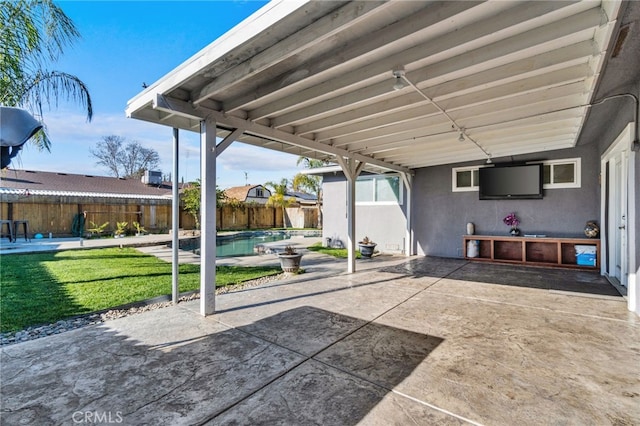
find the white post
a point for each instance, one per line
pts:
(633, 280)
(351, 169)
(407, 179)
(351, 224)
(208, 216)
(175, 220)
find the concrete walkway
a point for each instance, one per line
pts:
(408, 341)
(54, 244)
(159, 246)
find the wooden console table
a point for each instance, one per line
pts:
(535, 251)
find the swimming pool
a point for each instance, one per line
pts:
(243, 243)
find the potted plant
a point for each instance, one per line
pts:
(95, 229)
(366, 247)
(121, 229)
(139, 229)
(290, 260)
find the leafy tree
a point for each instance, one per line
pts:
(310, 183)
(33, 34)
(279, 197)
(191, 199)
(122, 159)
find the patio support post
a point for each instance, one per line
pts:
(408, 241)
(208, 216)
(351, 225)
(351, 169)
(175, 220)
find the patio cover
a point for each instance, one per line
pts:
(315, 78)
(395, 85)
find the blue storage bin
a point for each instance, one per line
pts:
(585, 255)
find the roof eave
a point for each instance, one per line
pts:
(258, 22)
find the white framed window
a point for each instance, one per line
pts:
(259, 192)
(464, 179)
(563, 173)
(379, 189)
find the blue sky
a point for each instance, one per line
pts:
(126, 43)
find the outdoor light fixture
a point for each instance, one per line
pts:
(402, 80)
(399, 84)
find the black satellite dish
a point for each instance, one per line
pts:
(17, 126)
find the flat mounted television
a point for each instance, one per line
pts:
(510, 182)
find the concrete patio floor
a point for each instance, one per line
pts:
(411, 341)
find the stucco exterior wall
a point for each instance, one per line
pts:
(620, 112)
(384, 224)
(441, 215)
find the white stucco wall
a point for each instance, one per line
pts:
(384, 224)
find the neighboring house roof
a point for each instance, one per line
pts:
(19, 182)
(302, 197)
(241, 193)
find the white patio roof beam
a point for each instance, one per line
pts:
(183, 108)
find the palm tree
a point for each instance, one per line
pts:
(279, 197)
(310, 183)
(34, 33)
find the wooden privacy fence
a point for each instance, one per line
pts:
(55, 214)
(233, 218)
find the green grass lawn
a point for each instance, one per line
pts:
(41, 288)
(335, 252)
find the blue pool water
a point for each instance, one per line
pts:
(241, 244)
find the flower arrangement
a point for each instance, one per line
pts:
(511, 220)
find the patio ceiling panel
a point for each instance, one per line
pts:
(316, 79)
(359, 60)
(563, 32)
(498, 111)
(422, 117)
